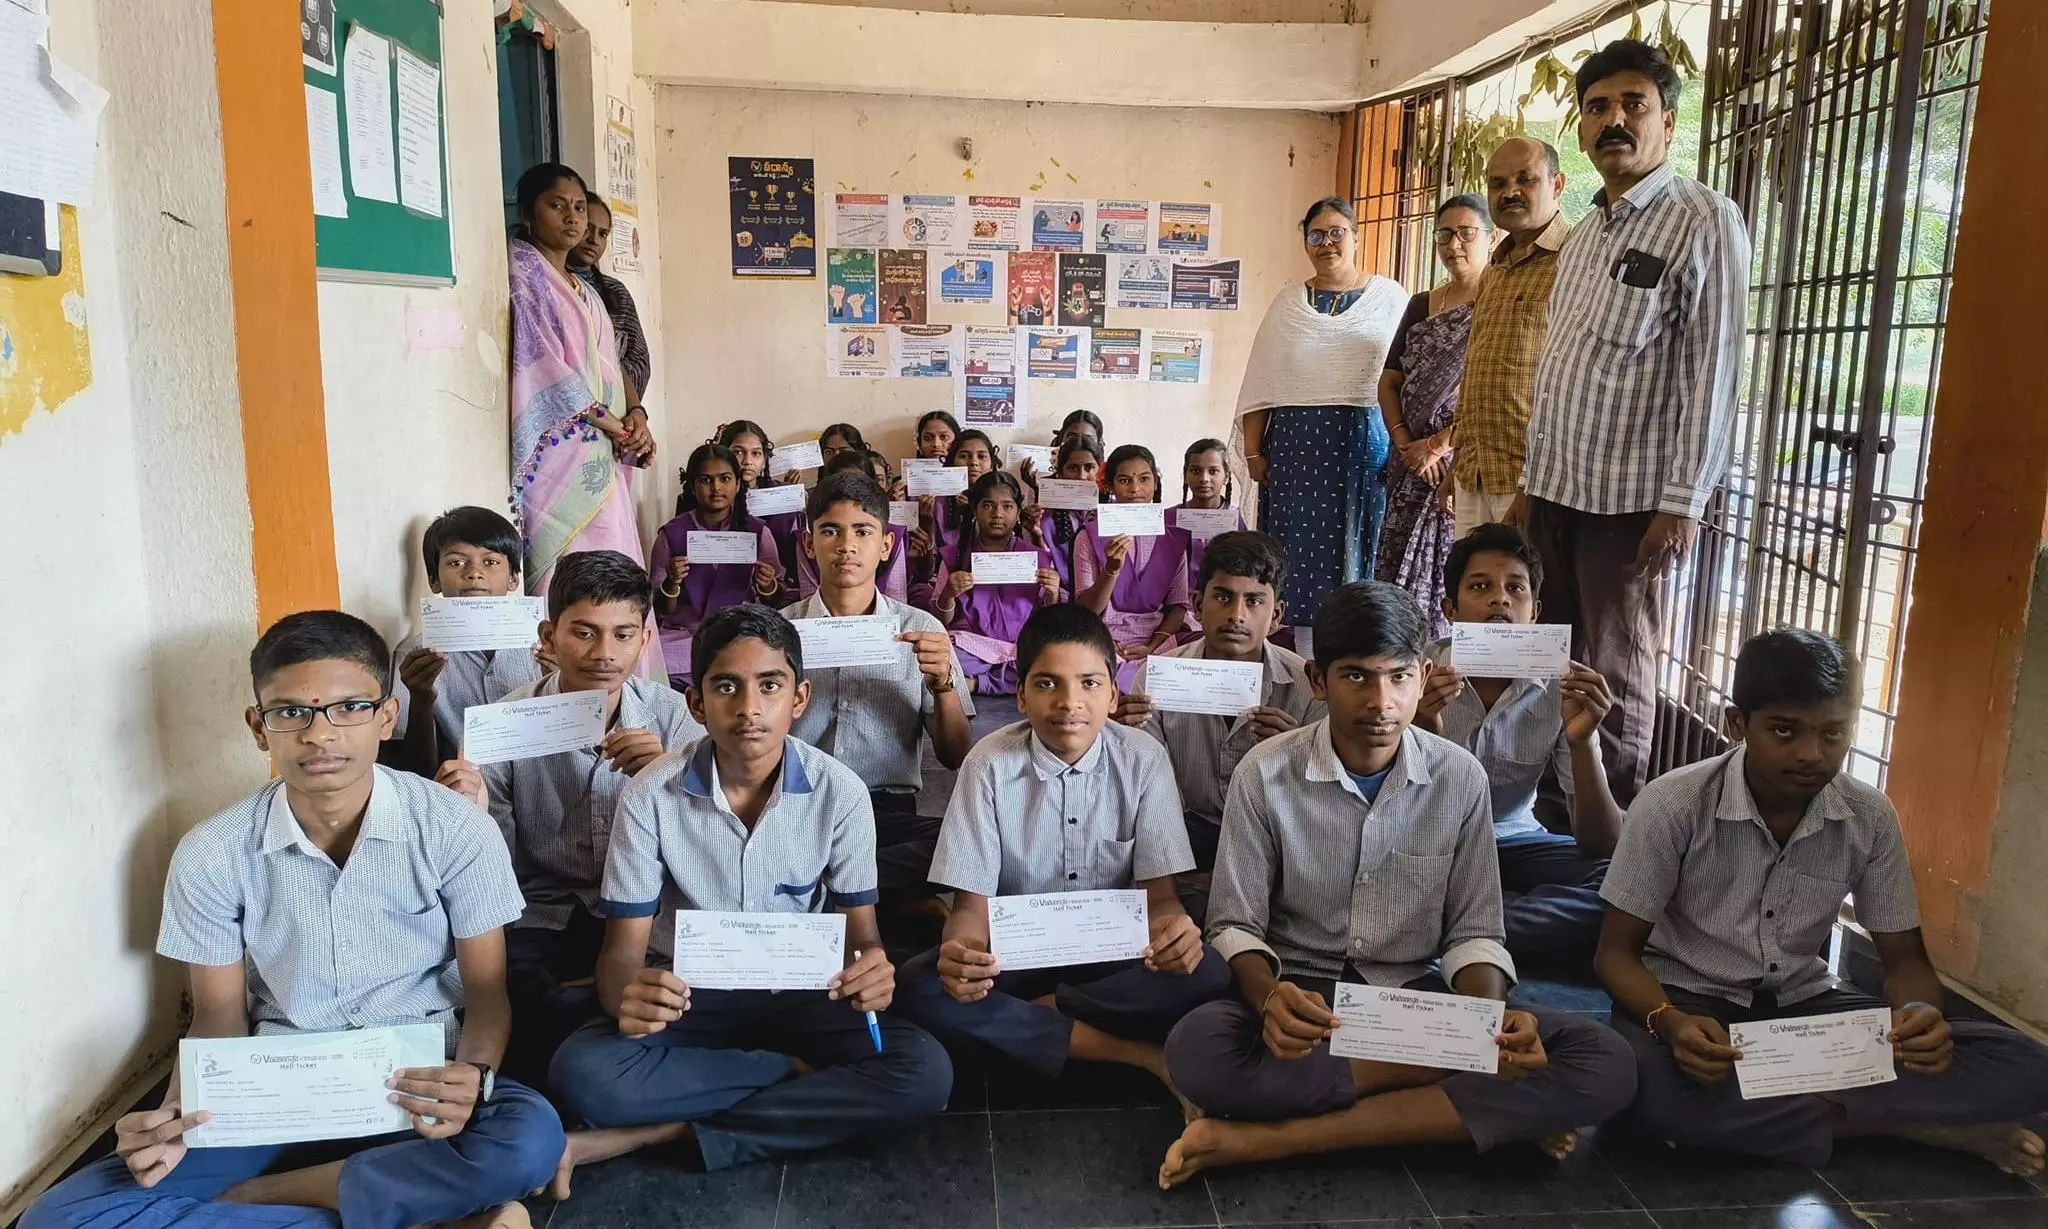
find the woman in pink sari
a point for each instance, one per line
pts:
(573, 433)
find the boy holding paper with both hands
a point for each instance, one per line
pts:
(1728, 880)
(1360, 849)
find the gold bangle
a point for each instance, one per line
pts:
(1650, 1021)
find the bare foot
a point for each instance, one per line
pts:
(1209, 1142)
(1558, 1147)
(507, 1216)
(589, 1147)
(2007, 1145)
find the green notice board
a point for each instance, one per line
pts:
(384, 241)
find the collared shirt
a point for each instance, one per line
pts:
(872, 718)
(556, 811)
(1510, 320)
(1024, 821)
(1635, 395)
(1205, 749)
(635, 363)
(1513, 741)
(1316, 878)
(680, 846)
(362, 945)
(470, 678)
(1733, 911)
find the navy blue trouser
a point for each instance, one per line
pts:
(509, 1150)
(1123, 998)
(1550, 899)
(726, 1069)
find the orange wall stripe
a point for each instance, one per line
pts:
(277, 306)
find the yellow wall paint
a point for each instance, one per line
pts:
(45, 348)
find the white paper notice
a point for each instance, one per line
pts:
(945, 480)
(1511, 650)
(1066, 928)
(903, 512)
(300, 1087)
(1038, 456)
(51, 113)
(1205, 523)
(858, 640)
(1009, 567)
(366, 80)
(759, 951)
(920, 465)
(419, 134)
(472, 624)
(526, 729)
(1199, 685)
(1068, 494)
(323, 134)
(1808, 1054)
(1134, 520)
(776, 500)
(1421, 1028)
(804, 454)
(706, 546)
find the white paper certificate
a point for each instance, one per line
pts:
(1134, 520)
(1068, 494)
(903, 512)
(710, 546)
(1422, 1028)
(776, 500)
(759, 951)
(918, 465)
(525, 729)
(1198, 685)
(1062, 928)
(468, 624)
(1005, 567)
(1807, 1054)
(945, 480)
(1511, 650)
(858, 640)
(803, 455)
(1205, 523)
(300, 1087)
(1037, 455)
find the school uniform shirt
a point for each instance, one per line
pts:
(556, 811)
(1023, 821)
(680, 846)
(1314, 876)
(470, 678)
(1205, 749)
(363, 945)
(871, 718)
(1732, 911)
(1514, 740)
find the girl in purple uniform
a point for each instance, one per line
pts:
(983, 618)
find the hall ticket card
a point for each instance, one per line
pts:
(759, 951)
(805, 454)
(1808, 1054)
(1511, 650)
(473, 624)
(1133, 520)
(527, 729)
(903, 512)
(776, 500)
(1005, 567)
(1205, 523)
(711, 546)
(855, 640)
(1056, 929)
(945, 480)
(290, 1088)
(1422, 1028)
(1199, 685)
(1068, 494)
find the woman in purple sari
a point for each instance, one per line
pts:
(983, 619)
(1418, 395)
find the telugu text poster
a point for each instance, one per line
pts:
(993, 223)
(992, 392)
(1032, 279)
(925, 221)
(856, 350)
(1187, 229)
(1116, 354)
(1054, 354)
(924, 351)
(1143, 281)
(968, 277)
(900, 274)
(1206, 287)
(860, 220)
(849, 286)
(1123, 226)
(1059, 226)
(1176, 356)
(774, 230)
(1082, 293)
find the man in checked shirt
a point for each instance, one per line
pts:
(1635, 392)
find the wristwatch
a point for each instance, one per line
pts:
(487, 1082)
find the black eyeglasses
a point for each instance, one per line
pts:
(1446, 234)
(1322, 237)
(291, 718)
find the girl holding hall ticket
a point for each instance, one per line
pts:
(1206, 488)
(1078, 460)
(1139, 585)
(750, 443)
(983, 620)
(686, 595)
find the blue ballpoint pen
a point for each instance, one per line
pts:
(874, 1025)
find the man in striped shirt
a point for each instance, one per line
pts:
(1635, 393)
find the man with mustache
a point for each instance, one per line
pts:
(1509, 323)
(1635, 393)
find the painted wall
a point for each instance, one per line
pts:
(757, 351)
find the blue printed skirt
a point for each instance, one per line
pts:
(1326, 497)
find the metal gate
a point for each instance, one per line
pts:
(1403, 155)
(1840, 128)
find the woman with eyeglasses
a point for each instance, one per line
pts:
(1308, 419)
(1418, 396)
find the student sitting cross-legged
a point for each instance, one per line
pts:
(469, 552)
(1359, 849)
(340, 895)
(557, 812)
(1237, 600)
(1724, 892)
(747, 819)
(1063, 801)
(1550, 881)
